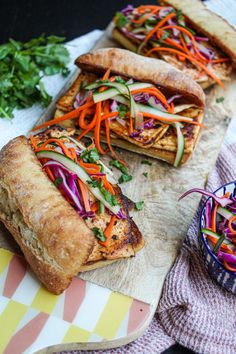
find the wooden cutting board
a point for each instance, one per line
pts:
(163, 221)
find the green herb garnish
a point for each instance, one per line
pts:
(146, 162)
(179, 15)
(139, 206)
(165, 35)
(119, 166)
(120, 80)
(122, 109)
(93, 183)
(145, 174)
(22, 66)
(218, 243)
(124, 178)
(90, 155)
(99, 234)
(58, 181)
(120, 20)
(220, 99)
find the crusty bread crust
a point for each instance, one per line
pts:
(216, 28)
(157, 72)
(53, 238)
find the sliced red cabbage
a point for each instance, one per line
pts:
(173, 98)
(155, 103)
(163, 12)
(221, 201)
(228, 257)
(175, 31)
(87, 214)
(66, 189)
(80, 99)
(149, 124)
(127, 10)
(132, 35)
(201, 39)
(208, 215)
(208, 53)
(136, 133)
(121, 214)
(113, 106)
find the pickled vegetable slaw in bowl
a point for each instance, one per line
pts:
(217, 234)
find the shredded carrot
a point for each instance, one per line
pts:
(155, 92)
(33, 143)
(227, 266)
(173, 43)
(108, 231)
(59, 142)
(84, 193)
(220, 60)
(107, 74)
(191, 59)
(131, 128)
(94, 207)
(188, 33)
(49, 173)
(71, 115)
(144, 18)
(164, 20)
(231, 220)
(148, 7)
(73, 153)
(107, 185)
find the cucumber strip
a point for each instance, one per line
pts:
(181, 143)
(106, 169)
(215, 235)
(81, 173)
(100, 207)
(147, 109)
(122, 88)
(227, 214)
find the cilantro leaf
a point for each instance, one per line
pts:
(93, 183)
(139, 206)
(146, 162)
(99, 234)
(220, 99)
(119, 166)
(90, 155)
(58, 181)
(145, 174)
(122, 109)
(124, 178)
(120, 20)
(120, 80)
(22, 66)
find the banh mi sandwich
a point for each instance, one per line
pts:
(184, 33)
(63, 207)
(140, 104)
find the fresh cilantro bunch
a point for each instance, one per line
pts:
(22, 66)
